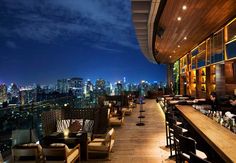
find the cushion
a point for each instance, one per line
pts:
(62, 125)
(88, 125)
(75, 127)
(60, 145)
(98, 140)
(79, 120)
(97, 146)
(57, 145)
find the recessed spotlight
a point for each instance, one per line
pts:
(185, 38)
(170, 56)
(179, 18)
(184, 7)
(178, 46)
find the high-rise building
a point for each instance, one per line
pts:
(62, 86)
(88, 88)
(3, 93)
(27, 95)
(13, 94)
(119, 88)
(100, 87)
(108, 88)
(14, 90)
(76, 86)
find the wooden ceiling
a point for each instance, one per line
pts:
(198, 21)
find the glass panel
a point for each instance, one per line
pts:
(194, 52)
(194, 63)
(201, 61)
(208, 51)
(217, 47)
(232, 31)
(231, 49)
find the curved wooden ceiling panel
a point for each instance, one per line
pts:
(198, 21)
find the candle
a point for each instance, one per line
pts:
(66, 133)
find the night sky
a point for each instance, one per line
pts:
(45, 40)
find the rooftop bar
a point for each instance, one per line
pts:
(194, 121)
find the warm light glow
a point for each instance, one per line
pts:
(174, 51)
(185, 38)
(184, 7)
(66, 133)
(170, 56)
(179, 18)
(178, 46)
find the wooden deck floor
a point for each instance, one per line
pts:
(141, 144)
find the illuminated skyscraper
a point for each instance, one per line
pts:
(76, 86)
(27, 95)
(3, 93)
(100, 87)
(63, 86)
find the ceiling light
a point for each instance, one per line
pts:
(179, 18)
(170, 56)
(184, 7)
(178, 46)
(185, 38)
(174, 51)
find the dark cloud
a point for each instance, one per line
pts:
(10, 44)
(101, 21)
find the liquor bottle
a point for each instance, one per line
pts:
(208, 113)
(233, 128)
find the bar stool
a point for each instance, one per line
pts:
(187, 145)
(195, 159)
(177, 132)
(168, 116)
(174, 132)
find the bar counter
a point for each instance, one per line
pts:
(218, 137)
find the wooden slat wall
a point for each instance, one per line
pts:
(220, 79)
(230, 84)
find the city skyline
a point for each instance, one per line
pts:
(84, 80)
(44, 41)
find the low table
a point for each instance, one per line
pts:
(71, 141)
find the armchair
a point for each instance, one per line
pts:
(59, 152)
(127, 111)
(103, 145)
(31, 153)
(117, 121)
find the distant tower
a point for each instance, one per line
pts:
(3, 93)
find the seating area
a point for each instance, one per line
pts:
(56, 146)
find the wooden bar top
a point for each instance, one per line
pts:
(222, 140)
